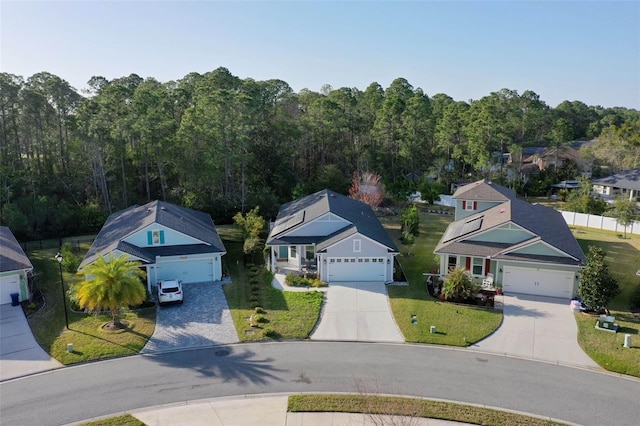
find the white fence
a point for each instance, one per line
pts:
(599, 222)
(445, 200)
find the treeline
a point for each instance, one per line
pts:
(221, 144)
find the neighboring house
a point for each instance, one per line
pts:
(170, 241)
(337, 236)
(15, 268)
(527, 247)
(543, 158)
(625, 183)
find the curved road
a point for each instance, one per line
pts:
(77, 393)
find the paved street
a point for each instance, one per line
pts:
(202, 320)
(103, 388)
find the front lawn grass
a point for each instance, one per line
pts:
(90, 342)
(606, 348)
(375, 406)
(456, 325)
(288, 315)
(622, 256)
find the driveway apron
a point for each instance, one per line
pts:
(357, 311)
(20, 354)
(202, 320)
(538, 327)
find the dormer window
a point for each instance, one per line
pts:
(469, 205)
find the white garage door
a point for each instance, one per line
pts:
(356, 269)
(8, 285)
(189, 271)
(539, 282)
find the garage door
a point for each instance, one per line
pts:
(539, 282)
(189, 271)
(356, 269)
(8, 285)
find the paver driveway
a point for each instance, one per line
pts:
(357, 311)
(538, 327)
(202, 320)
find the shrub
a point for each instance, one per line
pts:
(318, 283)
(635, 298)
(70, 261)
(269, 332)
(253, 281)
(259, 310)
(458, 285)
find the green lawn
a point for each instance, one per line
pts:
(90, 341)
(622, 256)
(289, 315)
(456, 325)
(374, 406)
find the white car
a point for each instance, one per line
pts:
(170, 291)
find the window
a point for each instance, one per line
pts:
(155, 237)
(359, 260)
(352, 260)
(478, 266)
(374, 260)
(452, 263)
(339, 260)
(332, 261)
(294, 251)
(357, 246)
(469, 205)
(366, 261)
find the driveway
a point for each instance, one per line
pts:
(357, 311)
(20, 354)
(202, 320)
(540, 328)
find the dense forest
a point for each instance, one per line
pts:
(221, 144)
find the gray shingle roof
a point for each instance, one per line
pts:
(128, 221)
(629, 179)
(12, 257)
(484, 190)
(545, 222)
(360, 215)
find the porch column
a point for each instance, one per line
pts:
(273, 257)
(299, 253)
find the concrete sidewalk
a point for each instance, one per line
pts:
(20, 354)
(267, 411)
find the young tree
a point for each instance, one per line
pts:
(253, 226)
(367, 187)
(597, 287)
(410, 218)
(625, 212)
(110, 284)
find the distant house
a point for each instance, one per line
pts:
(543, 158)
(527, 248)
(625, 183)
(170, 241)
(15, 268)
(340, 238)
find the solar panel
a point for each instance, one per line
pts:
(459, 229)
(288, 223)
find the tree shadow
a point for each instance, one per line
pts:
(229, 364)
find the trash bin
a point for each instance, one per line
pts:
(15, 301)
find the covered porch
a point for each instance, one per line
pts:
(296, 258)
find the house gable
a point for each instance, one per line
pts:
(357, 245)
(156, 235)
(323, 226)
(468, 207)
(539, 248)
(507, 233)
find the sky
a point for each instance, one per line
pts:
(577, 50)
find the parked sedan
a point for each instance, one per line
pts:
(170, 291)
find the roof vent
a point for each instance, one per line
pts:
(163, 208)
(502, 210)
(149, 209)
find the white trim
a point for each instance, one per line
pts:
(531, 243)
(361, 236)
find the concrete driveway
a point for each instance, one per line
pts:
(202, 320)
(20, 354)
(357, 311)
(538, 327)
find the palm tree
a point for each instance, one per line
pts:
(110, 284)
